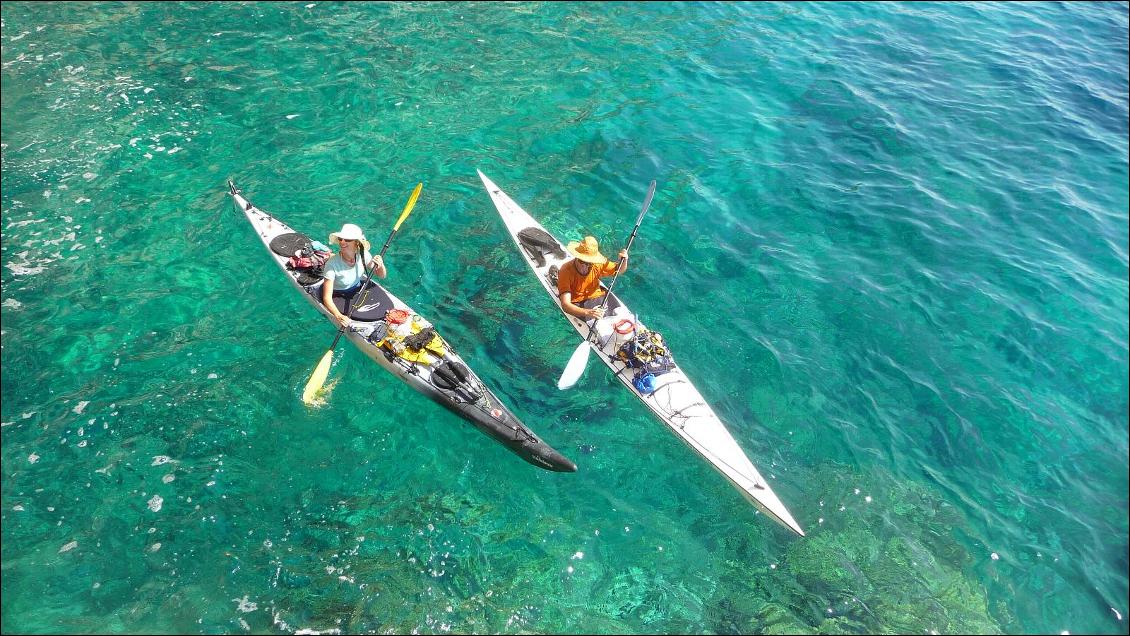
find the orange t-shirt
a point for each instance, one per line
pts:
(585, 287)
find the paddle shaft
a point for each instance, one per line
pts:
(646, 203)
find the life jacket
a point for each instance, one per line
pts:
(647, 352)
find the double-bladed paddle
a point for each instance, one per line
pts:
(580, 358)
(318, 378)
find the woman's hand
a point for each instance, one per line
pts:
(378, 265)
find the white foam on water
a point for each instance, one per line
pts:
(27, 222)
(155, 503)
(70, 546)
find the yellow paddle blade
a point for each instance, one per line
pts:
(408, 208)
(318, 378)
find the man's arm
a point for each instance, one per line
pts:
(573, 310)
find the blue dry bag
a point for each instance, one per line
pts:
(644, 383)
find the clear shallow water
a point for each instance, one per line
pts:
(889, 243)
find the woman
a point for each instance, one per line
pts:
(345, 271)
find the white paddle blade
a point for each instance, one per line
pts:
(318, 378)
(577, 363)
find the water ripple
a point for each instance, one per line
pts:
(889, 244)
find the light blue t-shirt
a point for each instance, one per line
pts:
(343, 276)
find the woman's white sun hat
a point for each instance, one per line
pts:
(349, 232)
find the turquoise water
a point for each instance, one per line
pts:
(889, 243)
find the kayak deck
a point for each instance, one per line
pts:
(675, 400)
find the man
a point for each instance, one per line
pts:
(578, 282)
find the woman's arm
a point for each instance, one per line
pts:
(380, 271)
(328, 299)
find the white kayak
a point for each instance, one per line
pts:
(674, 400)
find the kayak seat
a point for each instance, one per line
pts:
(369, 305)
(537, 243)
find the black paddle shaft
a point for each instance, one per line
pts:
(646, 203)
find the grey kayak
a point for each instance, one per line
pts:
(436, 370)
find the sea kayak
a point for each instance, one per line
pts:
(670, 396)
(389, 332)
